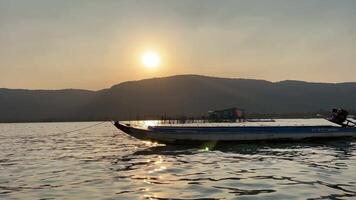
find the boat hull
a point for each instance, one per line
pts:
(171, 134)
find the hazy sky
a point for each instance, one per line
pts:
(95, 44)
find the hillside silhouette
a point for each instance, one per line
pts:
(189, 95)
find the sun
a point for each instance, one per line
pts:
(150, 59)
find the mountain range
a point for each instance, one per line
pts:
(181, 95)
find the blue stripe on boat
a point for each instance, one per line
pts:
(254, 129)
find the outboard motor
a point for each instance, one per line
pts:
(339, 116)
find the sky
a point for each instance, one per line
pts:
(87, 44)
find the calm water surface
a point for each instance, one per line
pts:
(38, 161)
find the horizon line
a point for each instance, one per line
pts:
(171, 76)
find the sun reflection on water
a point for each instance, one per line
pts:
(151, 144)
(148, 123)
(154, 175)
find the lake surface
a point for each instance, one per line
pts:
(40, 161)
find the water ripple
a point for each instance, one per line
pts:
(103, 163)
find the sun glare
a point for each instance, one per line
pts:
(150, 59)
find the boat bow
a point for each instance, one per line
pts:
(124, 127)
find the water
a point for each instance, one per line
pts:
(38, 162)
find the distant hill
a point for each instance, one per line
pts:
(190, 95)
(43, 105)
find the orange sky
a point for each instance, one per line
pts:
(95, 44)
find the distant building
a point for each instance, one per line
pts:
(230, 115)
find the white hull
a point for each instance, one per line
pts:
(198, 134)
